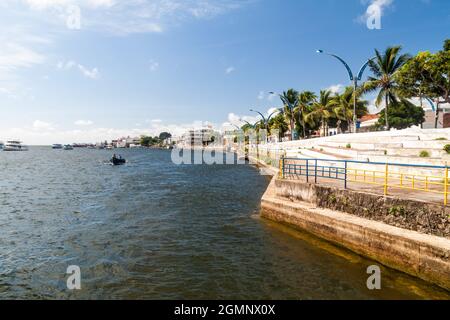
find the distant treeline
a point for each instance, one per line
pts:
(148, 141)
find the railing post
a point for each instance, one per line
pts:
(284, 167)
(345, 173)
(280, 168)
(307, 170)
(446, 185)
(315, 171)
(386, 177)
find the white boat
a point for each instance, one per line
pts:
(57, 146)
(68, 147)
(14, 145)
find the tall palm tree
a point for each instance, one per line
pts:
(322, 110)
(343, 106)
(290, 101)
(384, 68)
(305, 101)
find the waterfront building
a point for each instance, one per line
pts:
(199, 138)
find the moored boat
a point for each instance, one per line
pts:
(57, 146)
(68, 147)
(14, 145)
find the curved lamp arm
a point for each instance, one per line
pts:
(433, 107)
(251, 125)
(363, 68)
(273, 113)
(350, 73)
(264, 118)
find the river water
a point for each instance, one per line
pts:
(155, 230)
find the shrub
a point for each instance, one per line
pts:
(348, 146)
(441, 139)
(424, 154)
(385, 152)
(447, 148)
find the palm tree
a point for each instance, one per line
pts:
(279, 123)
(384, 68)
(343, 106)
(305, 101)
(321, 111)
(290, 101)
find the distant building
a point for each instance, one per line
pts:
(127, 142)
(368, 122)
(199, 138)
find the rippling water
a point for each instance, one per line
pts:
(154, 230)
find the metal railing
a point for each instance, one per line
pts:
(420, 178)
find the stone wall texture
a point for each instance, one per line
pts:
(428, 218)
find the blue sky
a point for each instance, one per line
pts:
(141, 67)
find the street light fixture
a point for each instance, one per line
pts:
(266, 120)
(353, 79)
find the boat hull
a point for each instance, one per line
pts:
(118, 162)
(15, 149)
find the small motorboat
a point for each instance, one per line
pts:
(117, 161)
(68, 147)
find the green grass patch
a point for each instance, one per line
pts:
(447, 148)
(424, 154)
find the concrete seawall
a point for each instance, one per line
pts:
(422, 255)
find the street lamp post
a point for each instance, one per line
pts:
(265, 120)
(353, 79)
(291, 110)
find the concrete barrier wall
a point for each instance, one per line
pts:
(424, 217)
(418, 254)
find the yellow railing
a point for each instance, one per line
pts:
(392, 177)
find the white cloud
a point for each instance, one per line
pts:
(83, 123)
(337, 88)
(66, 65)
(229, 70)
(101, 3)
(133, 16)
(5, 90)
(42, 125)
(43, 133)
(92, 74)
(154, 65)
(14, 55)
(261, 95)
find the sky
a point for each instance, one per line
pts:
(90, 70)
